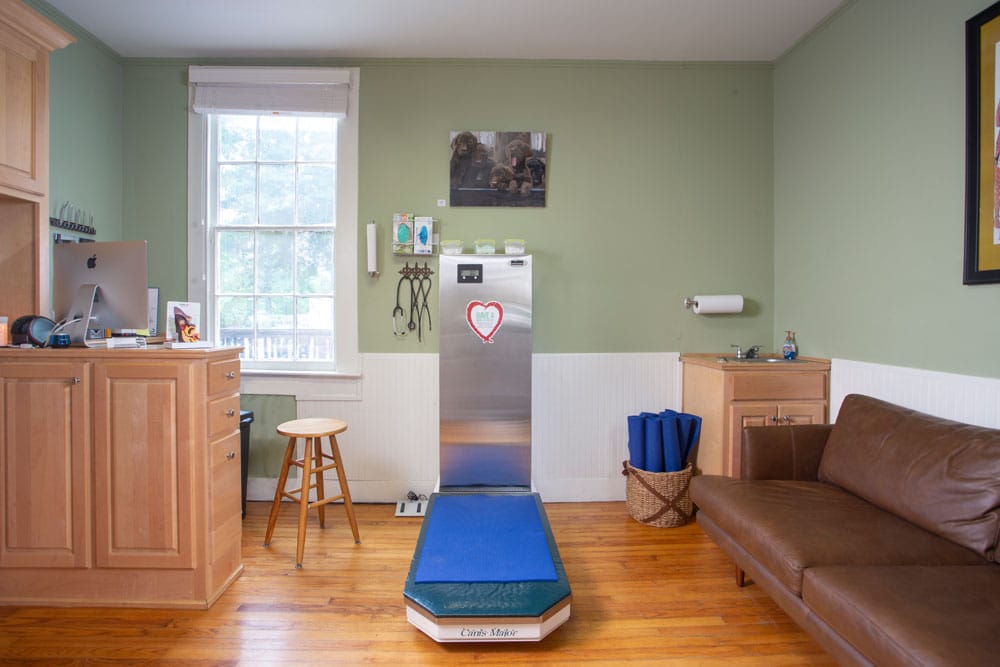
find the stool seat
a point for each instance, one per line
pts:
(312, 431)
(312, 427)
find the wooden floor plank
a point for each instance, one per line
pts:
(642, 595)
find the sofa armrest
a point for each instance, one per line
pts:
(783, 452)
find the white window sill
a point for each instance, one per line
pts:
(303, 385)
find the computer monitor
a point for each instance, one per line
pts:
(98, 286)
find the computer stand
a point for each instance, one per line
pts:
(81, 313)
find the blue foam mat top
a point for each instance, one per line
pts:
(481, 538)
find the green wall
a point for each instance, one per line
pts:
(659, 183)
(869, 203)
(86, 113)
(659, 186)
(828, 189)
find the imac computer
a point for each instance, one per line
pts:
(98, 286)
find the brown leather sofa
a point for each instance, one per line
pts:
(878, 534)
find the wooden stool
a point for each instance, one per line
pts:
(311, 463)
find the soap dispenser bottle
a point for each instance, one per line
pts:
(789, 350)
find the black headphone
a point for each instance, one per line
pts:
(33, 329)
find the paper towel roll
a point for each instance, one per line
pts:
(372, 250)
(718, 303)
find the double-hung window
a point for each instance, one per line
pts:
(272, 246)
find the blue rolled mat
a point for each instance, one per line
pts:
(480, 538)
(672, 449)
(689, 430)
(637, 441)
(654, 443)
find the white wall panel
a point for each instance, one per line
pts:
(579, 406)
(964, 398)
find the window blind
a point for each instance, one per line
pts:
(302, 91)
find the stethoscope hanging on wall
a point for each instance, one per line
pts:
(418, 280)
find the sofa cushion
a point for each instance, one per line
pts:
(788, 526)
(911, 615)
(941, 475)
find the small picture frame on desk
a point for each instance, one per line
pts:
(183, 326)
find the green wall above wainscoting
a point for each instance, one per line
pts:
(869, 191)
(827, 189)
(659, 187)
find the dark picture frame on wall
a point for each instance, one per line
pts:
(498, 168)
(982, 148)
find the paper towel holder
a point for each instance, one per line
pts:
(715, 304)
(371, 238)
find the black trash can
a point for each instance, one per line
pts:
(246, 417)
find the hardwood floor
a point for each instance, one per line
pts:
(642, 595)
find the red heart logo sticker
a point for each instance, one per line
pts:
(484, 318)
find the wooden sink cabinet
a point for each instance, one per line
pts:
(732, 395)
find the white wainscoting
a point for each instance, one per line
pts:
(579, 407)
(964, 398)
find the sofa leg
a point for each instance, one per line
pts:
(740, 577)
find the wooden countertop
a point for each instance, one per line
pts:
(104, 354)
(725, 362)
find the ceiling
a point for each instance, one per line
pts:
(645, 30)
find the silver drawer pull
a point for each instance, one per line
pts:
(230, 412)
(231, 375)
(230, 456)
(75, 380)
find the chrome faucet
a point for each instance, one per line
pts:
(739, 351)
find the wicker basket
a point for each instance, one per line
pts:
(658, 499)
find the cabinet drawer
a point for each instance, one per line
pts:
(223, 376)
(777, 386)
(223, 415)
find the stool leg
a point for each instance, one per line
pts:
(307, 457)
(282, 478)
(320, 491)
(342, 476)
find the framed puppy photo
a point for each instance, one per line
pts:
(492, 168)
(982, 148)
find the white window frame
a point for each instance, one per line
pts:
(302, 383)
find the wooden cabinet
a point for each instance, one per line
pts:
(731, 395)
(26, 39)
(44, 464)
(156, 434)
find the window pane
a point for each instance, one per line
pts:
(275, 253)
(236, 314)
(317, 195)
(236, 323)
(317, 139)
(314, 339)
(235, 262)
(277, 194)
(277, 139)
(314, 265)
(275, 332)
(237, 189)
(237, 138)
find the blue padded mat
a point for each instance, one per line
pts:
(479, 538)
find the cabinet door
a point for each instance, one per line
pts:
(801, 413)
(44, 445)
(24, 121)
(741, 415)
(146, 441)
